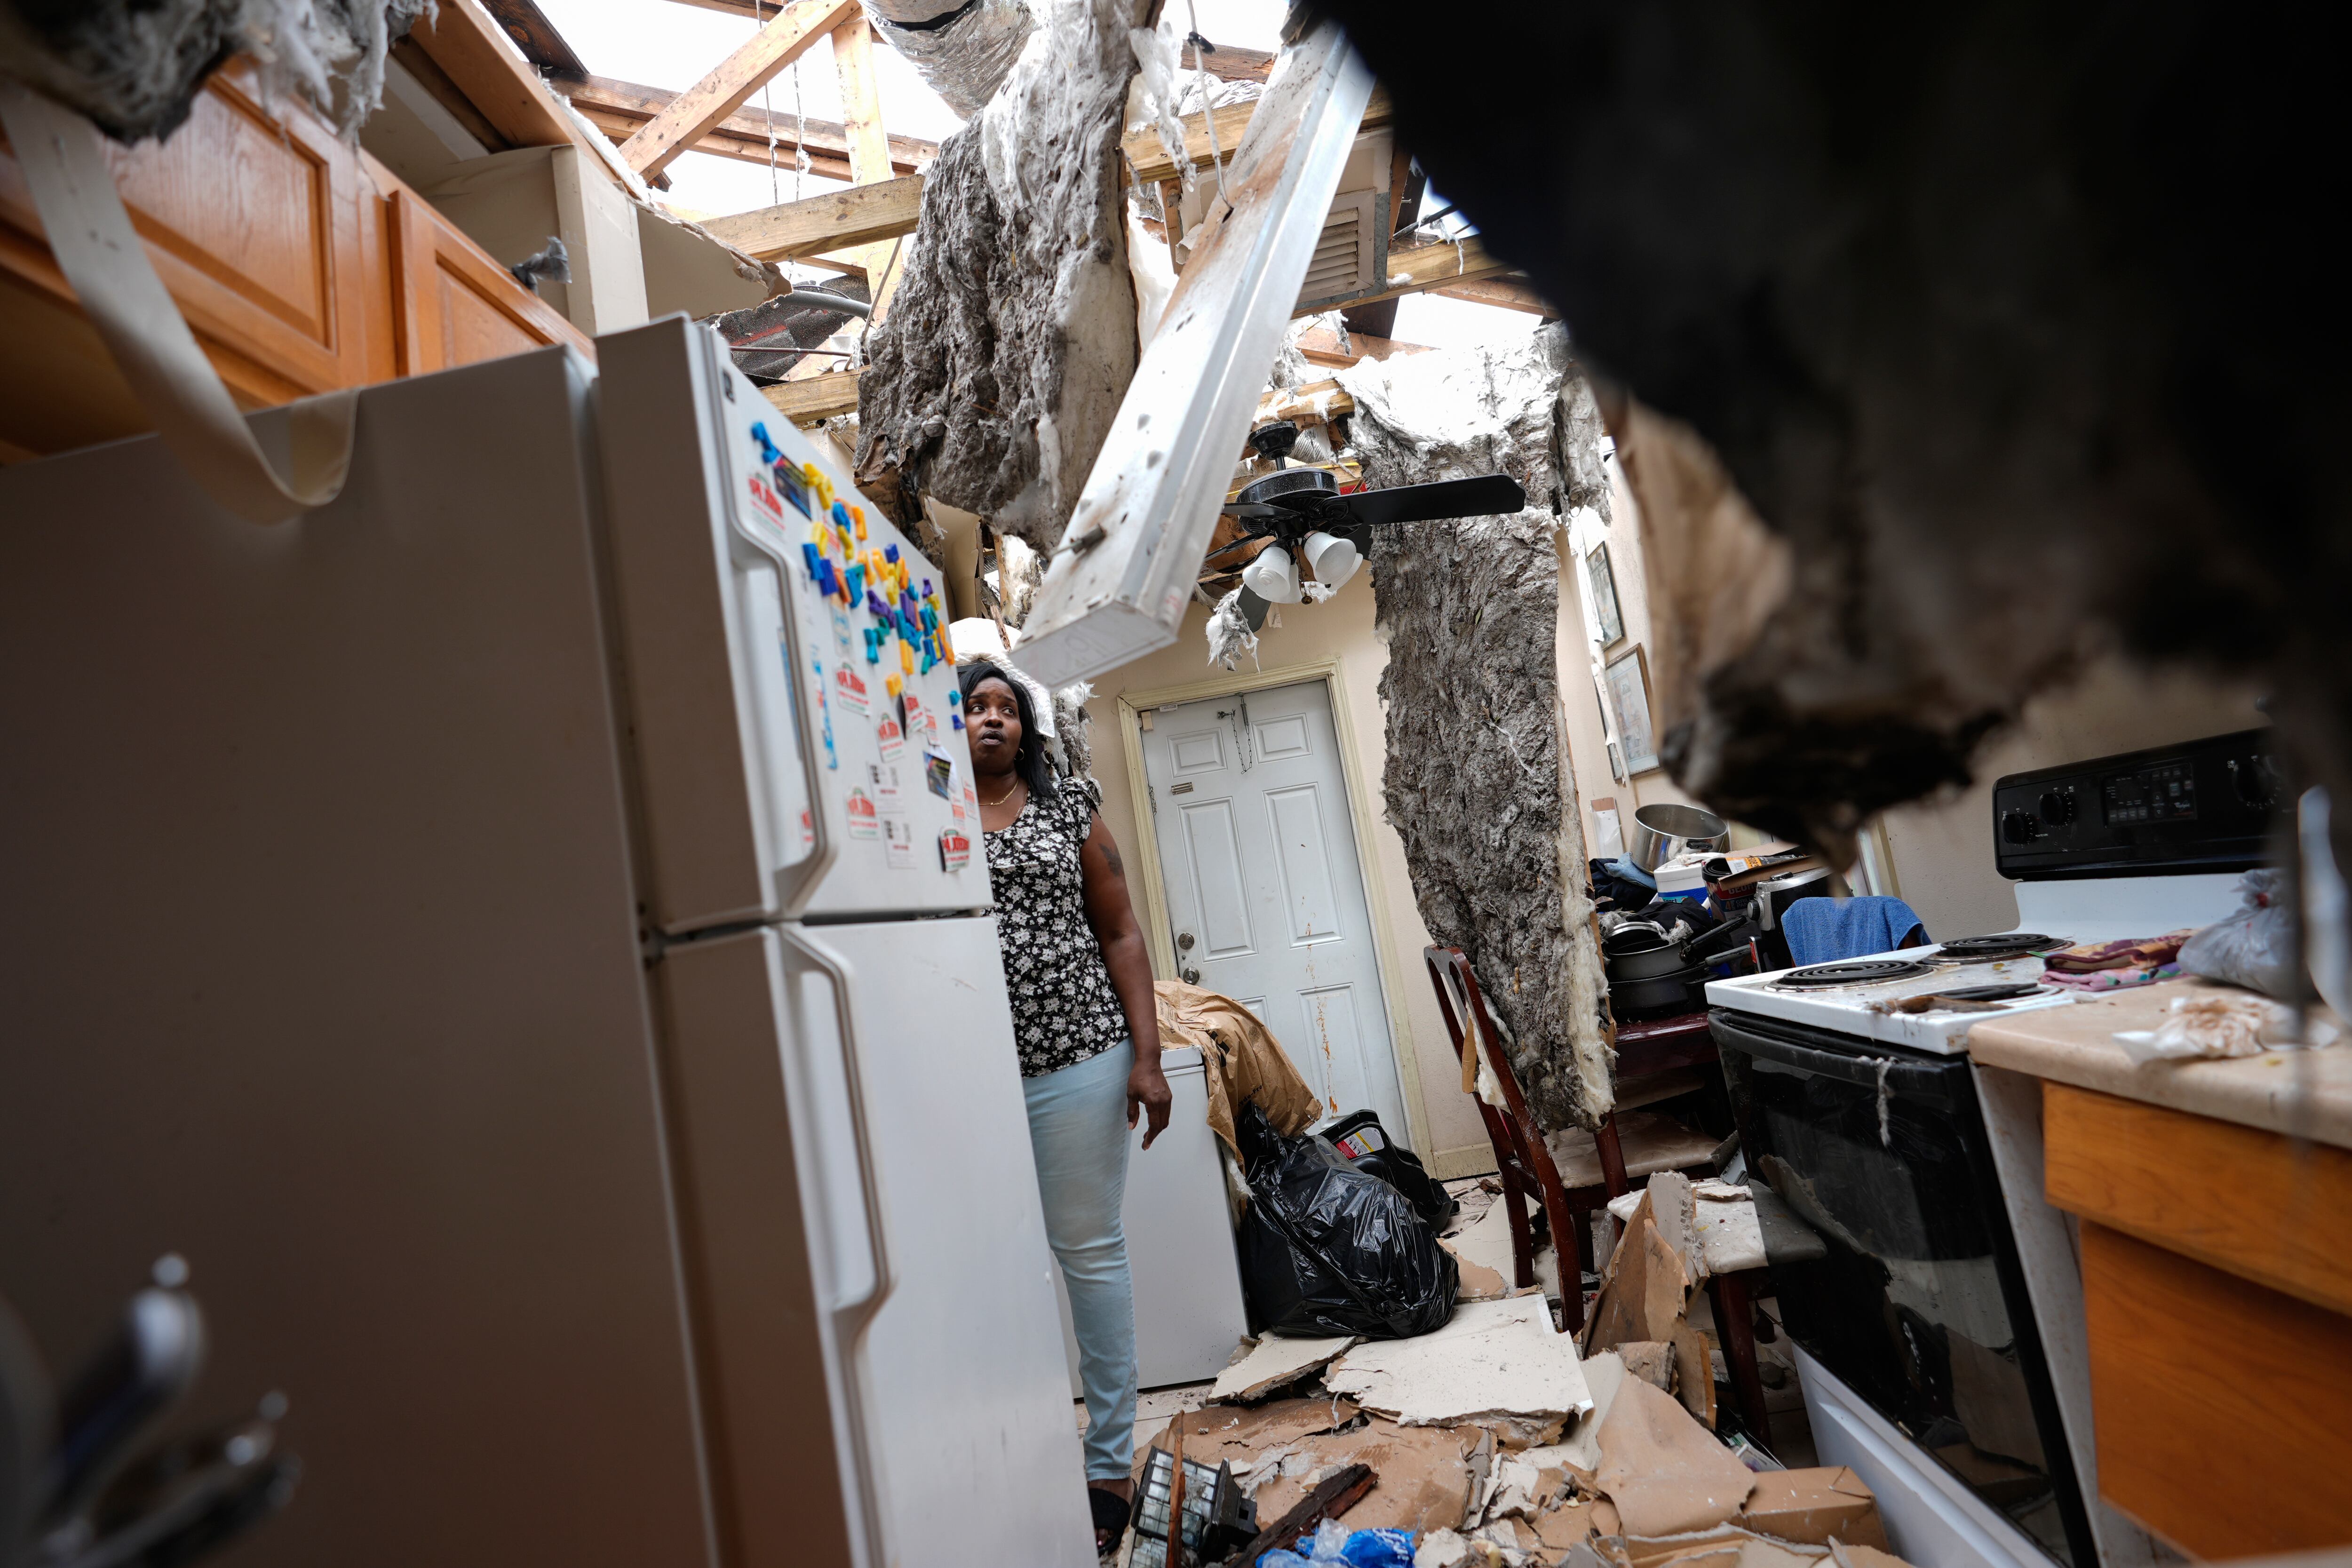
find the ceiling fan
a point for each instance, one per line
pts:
(1303, 512)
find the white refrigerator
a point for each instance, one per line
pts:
(509, 930)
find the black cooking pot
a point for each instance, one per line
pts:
(1641, 952)
(1682, 991)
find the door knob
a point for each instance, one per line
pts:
(1192, 977)
(1183, 941)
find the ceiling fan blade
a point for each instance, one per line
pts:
(1250, 511)
(1486, 495)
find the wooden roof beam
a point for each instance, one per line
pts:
(815, 398)
(1152, 164)
(620, 109)
(1510, 290)
(689, 116)
(470, 50)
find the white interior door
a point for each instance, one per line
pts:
(1265, 895)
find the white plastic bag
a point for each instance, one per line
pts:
(2226, 1024)
(2255, 947)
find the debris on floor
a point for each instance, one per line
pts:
(1645, 1290)
(1501, 1365)
(1276, 1362)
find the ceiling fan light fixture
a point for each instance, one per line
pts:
(1273, 576)
(1334, 558)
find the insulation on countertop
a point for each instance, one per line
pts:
(1000, 365)
(1478, 782)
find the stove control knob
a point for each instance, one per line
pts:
(2057, 809)
(2019, 827)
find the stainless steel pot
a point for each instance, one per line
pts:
(1662, 831)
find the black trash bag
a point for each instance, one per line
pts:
(1329, 1249)
(1364, 1143)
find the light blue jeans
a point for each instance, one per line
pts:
(1077, 1125)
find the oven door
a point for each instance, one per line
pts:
(1917, 1303)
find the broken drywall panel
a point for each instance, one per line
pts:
(1486, 1242)
(996, 372)
(1500, 1364)
(1666, 1472)
(1478, 784)
(1580, 1448)
(1130, 557)
(1276, 1362)
(1477, 1282)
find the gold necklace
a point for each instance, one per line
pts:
(1001, 799)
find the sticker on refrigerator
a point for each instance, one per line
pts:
(920, 725)
(862, 823)
(886, 794)
(892, 739)
(849, 690)
(940, 774)
(764, 499)
(955, 850)
(808, 830)
(899, 842)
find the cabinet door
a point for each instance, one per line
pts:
(456, 305)
(252, 220)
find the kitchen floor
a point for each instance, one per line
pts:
(1791, 1441)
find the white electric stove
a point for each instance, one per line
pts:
(1946, 1356)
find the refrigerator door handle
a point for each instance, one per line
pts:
(797, 884)
(803, 953)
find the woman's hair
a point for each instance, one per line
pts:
(1030, 763)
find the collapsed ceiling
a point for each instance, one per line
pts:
(1986, 336)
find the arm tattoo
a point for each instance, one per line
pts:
(1111, 854)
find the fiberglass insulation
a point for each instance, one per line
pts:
(1478, 784)
(1002, 362)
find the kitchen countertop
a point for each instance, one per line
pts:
(2300, 1093)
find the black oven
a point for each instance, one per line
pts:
(1919, 1304)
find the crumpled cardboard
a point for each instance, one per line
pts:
(1666, 1474)
(1814, 1505)
(1427, 1474)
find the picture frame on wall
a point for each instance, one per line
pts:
(1604, 581)
(1628, 678)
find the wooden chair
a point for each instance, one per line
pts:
(1651, 1050)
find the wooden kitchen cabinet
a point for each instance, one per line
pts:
(2217, 1291)
(301, 263)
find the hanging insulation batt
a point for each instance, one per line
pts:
(1000, 364)
(1478, 782)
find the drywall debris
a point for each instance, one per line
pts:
(1815, 1505)
(1646, 1291)
(1000, 364)
(1666, 1472)
(1500, 1364)
(1652, 1360)
(1255, 1440)
(1276, 1362)
(1478, 1282)
(1426, 1477)
(1579, 1450)
(1477, 782)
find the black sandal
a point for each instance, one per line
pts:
(1110, 1515)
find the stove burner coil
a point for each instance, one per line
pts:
(2001, 945)
(1859, 971)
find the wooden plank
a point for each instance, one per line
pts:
(869, 149)
(622, 108)
(460, 38)
(1420, 268)
(535, 35)
(1511, 291)
(2217, 1403)
(818, 398)
(2237, 1197)
(1337, 1494)
(859, 215)
(689, 116)
(1152, 164)
(1317, 402)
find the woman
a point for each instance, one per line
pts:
(1087, 1029)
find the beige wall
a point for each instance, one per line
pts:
(1942, 851)
(1446, 1131)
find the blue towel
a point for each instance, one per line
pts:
(1828, 931)
(1623, 867)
